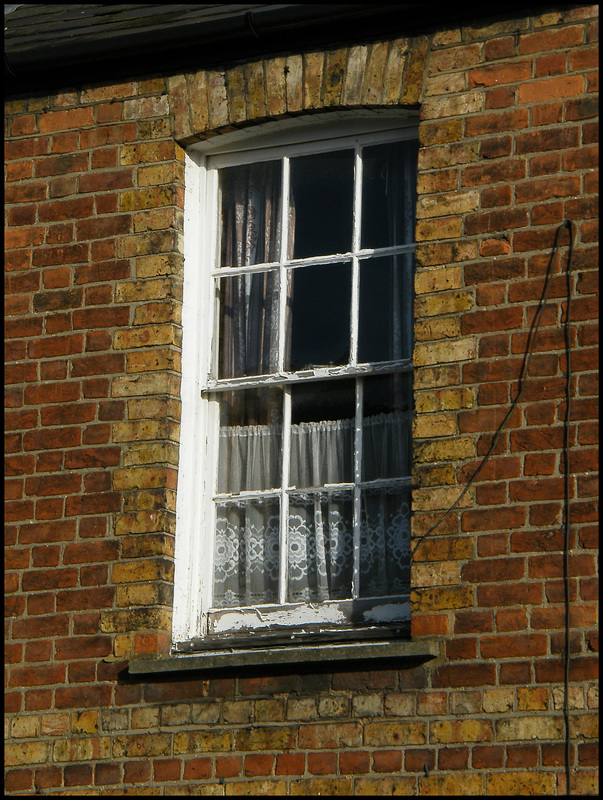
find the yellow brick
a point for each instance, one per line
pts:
(459, 105)
(145, 384)
(519, 729)
(136, 595)
(521, 783)
(444, 549)
(394, 69)
(143, 478)
(450, 785)
(145, 718)
(394, 734)
(158, 289)
(153, 408)
(316, 787)
(25, 727)
(157, 174)
(139, 571)
(147, 336)
(274, 738)
(153, 360)
(445, 351)
(255, 95)
(445, 450)
(157, 313)
(532, 699)
(156, 219)
(466, 730)
(54, 724)
(26, 753)
(238, 711)
(432, 377)
(433, 425)
(136, 619)
(498, 701)
(147, 152)
(313, 63)
(144, 522)
(355, 71)
(443, 399)
(123, 647)
(432, 329)
(84, 722)
(447, 228)
(438, 475)
(445, 84)
(437, 599)
(202, 742)
(151, 454)
(217, 99)
(144, 429)
(439, 573)
(235, 85)
(89, 749)
(584, 726)
(431, 499)
(137, 745)
(445, 303)
(438, 280)
(443, 205)
(386, 786)
(576, 697)
(251, 787)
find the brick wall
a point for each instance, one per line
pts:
(94, 201)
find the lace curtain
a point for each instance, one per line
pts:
(320, 522)
(320, 556)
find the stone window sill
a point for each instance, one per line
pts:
(406, 653)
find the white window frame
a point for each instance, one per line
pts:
(192, 625)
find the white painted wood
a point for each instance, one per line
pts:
(195, 512)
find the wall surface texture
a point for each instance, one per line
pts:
(94, 265)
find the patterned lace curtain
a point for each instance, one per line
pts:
(320, 532)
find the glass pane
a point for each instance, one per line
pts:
(319, 315)
(386, 426)
(322, 433)
(246, 553)
(385, 308)
(321, 198)
(384, 542)
(251, 436)
(389, 175)
(248, 324)
(320, 547)
(250, 198)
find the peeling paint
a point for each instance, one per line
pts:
(300, 615)
(392, 612)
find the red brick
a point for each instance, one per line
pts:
(416, 760)
(83, 697)
(290, 764)
(322, 763)
(354, 762)
(257, 764)
(197, 768)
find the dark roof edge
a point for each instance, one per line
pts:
(230, 39)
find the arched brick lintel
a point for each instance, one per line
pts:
(385, 74)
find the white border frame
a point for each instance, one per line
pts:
(198, 451)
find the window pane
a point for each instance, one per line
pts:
(250, 214)
(384, 542)
(388, 194)
(319, 315)
(246, 553)
(250, 440)
(248, 324)
(320, 547)
(321, 198)
(385, 308)
(322, 433)
(386, 426)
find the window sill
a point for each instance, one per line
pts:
(414, 653)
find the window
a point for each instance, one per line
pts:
(293, 516)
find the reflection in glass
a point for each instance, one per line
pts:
(250, 440)
(319, 315)
(384, 542)
(248, 324)
(246, 553)
(386, 434)
(320, 547)
(322, 192)
(388, 194)
(385, 308)
(322, 433)
(250, 213)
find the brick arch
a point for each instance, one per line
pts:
(208, 102)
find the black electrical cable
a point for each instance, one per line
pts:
(566, 532)
(566, 448)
